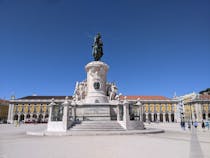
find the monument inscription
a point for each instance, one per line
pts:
(97, 111)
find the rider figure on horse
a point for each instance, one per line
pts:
(97, 47)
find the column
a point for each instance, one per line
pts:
(158, 117)
(18, 118)
(152, 117)
(126, 112)
(50, 112)
(10, 113)
(141, 112)
(31, 117)
(24, 117)
(43, 119)
(146, 117)
(176, 113)
(66, 114)
(169, 117)
(164, 117)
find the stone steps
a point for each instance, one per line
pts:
(98, 126)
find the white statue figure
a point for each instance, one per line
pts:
(76, 92)
(80, 90)
(113, 91)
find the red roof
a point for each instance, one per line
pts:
(145, 97)
(204, 97)
(45, 97)
(4, 102)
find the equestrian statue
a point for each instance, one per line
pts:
(97, 47)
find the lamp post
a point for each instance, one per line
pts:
(139, 104)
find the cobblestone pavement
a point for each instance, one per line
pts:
(174, 143)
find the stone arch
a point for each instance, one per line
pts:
(28, 116)
(15, 117)
(46, 116)
(144, 117)
(34, 116)
(161, 117)
(155, 117)
(40, 118)
(167, 117)
(172, 117)
(204, 116)
(150, 117)
(22, 117)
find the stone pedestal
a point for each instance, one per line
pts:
(118, 113)
(66, 115)
(93, 112)
(127, 124)
(126, 116)
(59, 125)
(96, 82)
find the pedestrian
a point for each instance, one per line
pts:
(195, 124)
(184, 125)
(207, 124)
(189, 125)
(181, 124)
(203, 125)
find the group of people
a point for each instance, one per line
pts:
(204, 124)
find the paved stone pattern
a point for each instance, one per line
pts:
(195, 148)
(175, 143)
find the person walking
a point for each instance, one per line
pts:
(181, 124)
(189, 125)
(203, 125)
(184, 125)
(195, 124)
(207, 124)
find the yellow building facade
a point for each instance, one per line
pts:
(36, 108)
(190, 107)
(4, 107)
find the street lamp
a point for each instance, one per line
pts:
(139, 104)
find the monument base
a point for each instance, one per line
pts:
(94, 112)
(55, 127)
(96, 82)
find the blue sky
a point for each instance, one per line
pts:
(152, 47)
